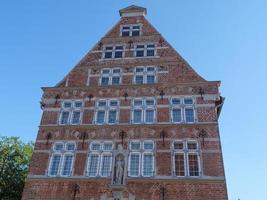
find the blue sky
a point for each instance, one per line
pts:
(40, 41)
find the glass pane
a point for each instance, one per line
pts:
(140, 46)
(179, 165)
(76, 117)
(115, 80)
(139, 69)
(138, 102)
(178, 145)
(116, 71)
(150, 102)
(78, 104)
(95, 146)
(148, 165)
(113, 103)
(67, 104)
(112, 116)
(55, 165)
(104, 80)
(125, 33)
(93, 165)
(137, 27)
(188, 101)
(139, 79)
(65, 117)
(150, 69)
(148, 145)
(192, 145)
(109, 48)
(135, 145)
(126, 28)
(134, 164)
(70, 146)
(136, 33)
(58, 146)
(137, 118)
(150, 46)
(67, 165)
(189, 115)
(150, 52)
(150, 79)
(176, 101)
(140, 53)
(100, 117)
(107, 146)
(119, 47)
(102, 103)
(106, 165)
(176, 115)
(149, 116)
(105, 71)
(118, 54)
(108, 54)
(193, 165)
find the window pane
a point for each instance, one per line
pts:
(118, 54)
(150, 69)
(150, 102)
(176, 115)
(65, 117)
(126, 28)
(67, 104)
(112, 116)
(136, 27)
(139, 69)
(150, 52)
(179, 165)
(150, 79)
(95, 146)
(178, 145)
(188, 101)
(104, 80)
(67, 165)
(119, 47)
(55, 165)
(140, 53)
(135, 145)
(105, 71)
(139, 79)
(189, 115)
(115, 80)
(106, 165)
(192, 145)
(116, 71)
(102, 103)
(151, 46)
(135, 33)
(148, 165)
(113, 103)
(176, 101)
(137, 118)
(149, 116)
(148, 145)
(109, 48)
(76, 117)
(78, 104)
(134, 164)
(70, 146)
(125, 33)
(107, 146)
(140, 46)
(58, 146)
(108, 54)
(138, 102)
(100, 117)
(193, 165)
(93, 165)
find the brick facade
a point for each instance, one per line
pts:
(202, 177)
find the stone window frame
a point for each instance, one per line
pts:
(110, 76)
(62, 153)
(104, 50)
(143, 109)
(145, 49)
(71, 110)
(182, 106)
(145, 73)
(185, 151)
(141, 152)
(101, 152)
(131, 29)
(106, 109)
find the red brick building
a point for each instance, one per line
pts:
(131, 121)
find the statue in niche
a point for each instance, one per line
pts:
(119, 170)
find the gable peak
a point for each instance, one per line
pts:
(133, 11)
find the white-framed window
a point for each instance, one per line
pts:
(145, 50)
(145, 75)
(186, 158)
(99, 159)
(62, 158)
(71, 112)
(182, 110)
(141, 158)
(143, 110)
(113, 51)
(130, 30)
(110, 76)
(107, 111)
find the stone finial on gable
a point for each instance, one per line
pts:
(133, 11)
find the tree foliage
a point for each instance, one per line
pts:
(15, 156)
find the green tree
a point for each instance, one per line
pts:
(15, 156)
